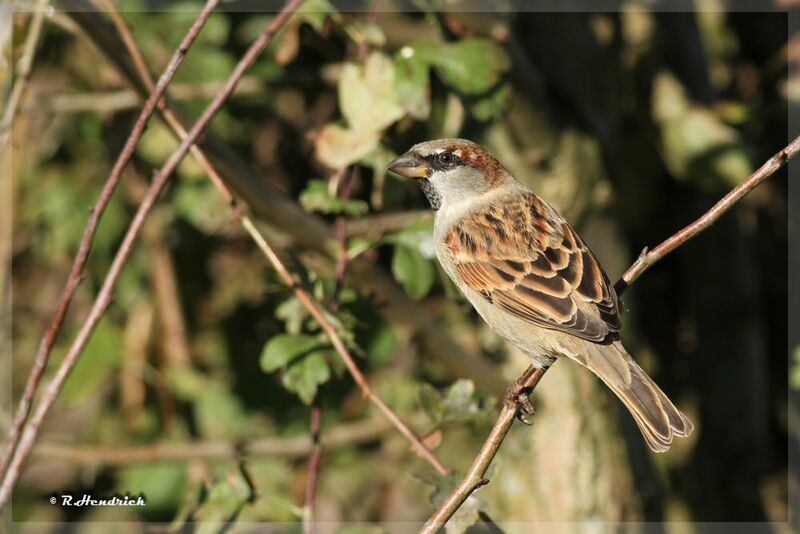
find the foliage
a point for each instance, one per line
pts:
(204, 345)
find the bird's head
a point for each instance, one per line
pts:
(451, 171)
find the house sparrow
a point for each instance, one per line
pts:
(530, 276)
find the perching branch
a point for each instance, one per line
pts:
(304, 297)
(474, 478)
(95, 214)
(525, 385)
(103, 299)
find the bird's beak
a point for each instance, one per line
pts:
(410, 165)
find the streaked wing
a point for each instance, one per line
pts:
(523, 257)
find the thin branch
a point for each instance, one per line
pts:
(524, 386)
(103, 299)
(308, 231)
(316, 410)
(25, 66)
(112, 101)
(367, 392)
(313, 468)
(338, 345)
(375, 226)
(294, 447)
(95, 214)
(344, 185)
(649, 257)
(474, 477)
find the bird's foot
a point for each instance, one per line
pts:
(517, 396)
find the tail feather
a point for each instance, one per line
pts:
(658, 419)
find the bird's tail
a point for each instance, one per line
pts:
(658, 419)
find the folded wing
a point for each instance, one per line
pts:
(523, 257)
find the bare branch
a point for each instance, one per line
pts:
(649, 257)
(288, 279)
(160, 179)
(119, 100)
(313, 469)
(24, 71)
(375, 226)
(305, 230)
(310, 304)
(474, 477)
(295, 447)
(95, 214)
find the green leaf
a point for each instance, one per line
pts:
(361, 31)
(461, 402)
(381, 345)
(100, 357)
(369, 104)
(188, 383)
(411, 86)
(304, 375)
(337, 146)
(431, 401)
(417, 235)
(471, 66)
(366, 94)
(201, 205)
(413, 270)
(696, 144)
(283, 348)
(223, 502)
(220, 414)
(158, 143)
(292, 312)
(317, 197)
(210, 508)
(315, 12)
(357, 245)
(493, 105)
(162, 485)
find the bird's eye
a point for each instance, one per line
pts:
(446, 158)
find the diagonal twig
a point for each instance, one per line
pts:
(338, 345)
(474, 477)
(417, 446)
(95, 214)
(103, 299)
(24, 71)
(649, 257)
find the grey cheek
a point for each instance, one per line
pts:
(433, 196)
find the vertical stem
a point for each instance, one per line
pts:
(313, 468)
(24, 71)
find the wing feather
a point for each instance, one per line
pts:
(549, 278)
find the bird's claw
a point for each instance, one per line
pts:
(527, 409)
(517, 396)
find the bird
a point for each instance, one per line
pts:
(530, 276)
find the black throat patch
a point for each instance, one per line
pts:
(431, 193)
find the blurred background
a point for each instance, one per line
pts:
(631, 123)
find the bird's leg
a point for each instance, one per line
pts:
(526, 409)
(517, 396)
